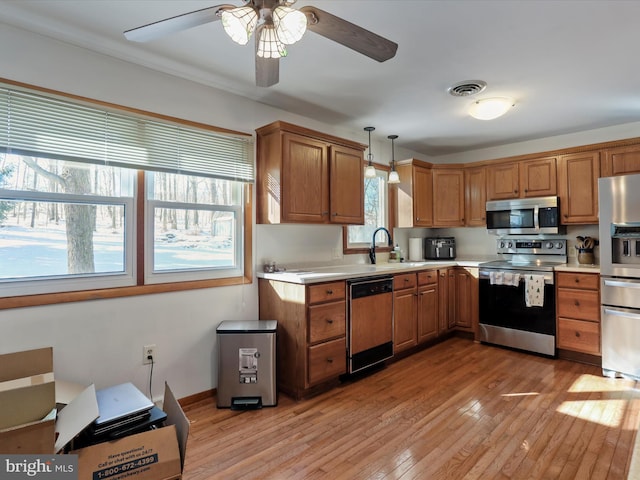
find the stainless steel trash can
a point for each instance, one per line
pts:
(247, 364)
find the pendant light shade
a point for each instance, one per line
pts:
(370, 171)
(393, 174)
(239, 23)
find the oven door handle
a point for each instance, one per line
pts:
(621, 283)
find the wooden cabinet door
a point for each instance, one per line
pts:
(463, 305)
(503, 181)
(305, 179)
(346, 186)
(538, 177)
(621, 161)
(578, 187)
(427, 312)
(448, 197)
(404, 320)
(422, 197)
(475, 197)
(443, 301)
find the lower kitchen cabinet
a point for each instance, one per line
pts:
(578, 312)
(405, 303)
(311, 339)
(464, 298)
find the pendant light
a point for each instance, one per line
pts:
(393, 174)
(370, 171)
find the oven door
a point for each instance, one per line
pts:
(506, 320)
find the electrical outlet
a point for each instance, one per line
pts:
(148, 351)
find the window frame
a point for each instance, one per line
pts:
(391, 215)
(137, 233)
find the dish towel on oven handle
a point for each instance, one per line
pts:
(504, 278)
(534, 290)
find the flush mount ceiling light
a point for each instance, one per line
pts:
(370, 171)
(275, 25)
(490, 108)
(393, 174)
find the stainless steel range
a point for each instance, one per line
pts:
(517, 294)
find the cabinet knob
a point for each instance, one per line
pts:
(329, 292)
(576, 303)
(566, 216)
(335, 214)
(330, 360)
(577, 280)
(578, 334)
(325, 213)
(329, 321)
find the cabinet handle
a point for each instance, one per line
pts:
(329, 321)
(329, 292)
(329, 359)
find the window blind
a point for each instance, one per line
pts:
(38, 125)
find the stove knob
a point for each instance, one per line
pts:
(559, 245)
(501, 244)
(549, 245)
(509, 244)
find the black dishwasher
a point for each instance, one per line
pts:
(370, 322)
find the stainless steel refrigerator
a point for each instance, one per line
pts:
(619, 203)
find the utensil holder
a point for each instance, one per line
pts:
(585, 256)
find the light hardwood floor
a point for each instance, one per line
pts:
(458, 410)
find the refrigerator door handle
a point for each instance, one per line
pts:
(621, 283)
(621, 312)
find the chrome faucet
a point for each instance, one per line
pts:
(372, 250)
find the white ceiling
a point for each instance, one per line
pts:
(570, 65)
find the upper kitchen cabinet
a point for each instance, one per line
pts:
(448, 197)
(578, 187)
(519, 179)
(621, 160)
(305, 176)
(414, 194)
(475, 196)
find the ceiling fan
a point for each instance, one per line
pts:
(275, 24)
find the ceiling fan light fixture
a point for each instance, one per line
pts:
(290, 24)
(269, 45)
(490, 108)
(239, 23)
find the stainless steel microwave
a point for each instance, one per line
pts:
(524, 216)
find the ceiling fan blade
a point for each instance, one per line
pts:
(175, 24)
(349, 34)
(267, 71)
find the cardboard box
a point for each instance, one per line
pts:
(28, 420)
(153, 455)
(29, 424)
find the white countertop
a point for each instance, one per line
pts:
(326, 273)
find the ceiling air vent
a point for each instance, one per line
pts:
(466, 88)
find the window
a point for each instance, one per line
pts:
(77, 181)
(376, 215)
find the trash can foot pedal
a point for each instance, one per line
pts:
(246, 403)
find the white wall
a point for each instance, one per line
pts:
(101, 341)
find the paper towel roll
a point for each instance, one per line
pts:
(415, 249)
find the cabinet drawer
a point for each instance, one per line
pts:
(327, 321)
(580, 304)
(587, 281)
(327, 360)
(579, 335)
(327, 292)
(428, 277)
(406, 280)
